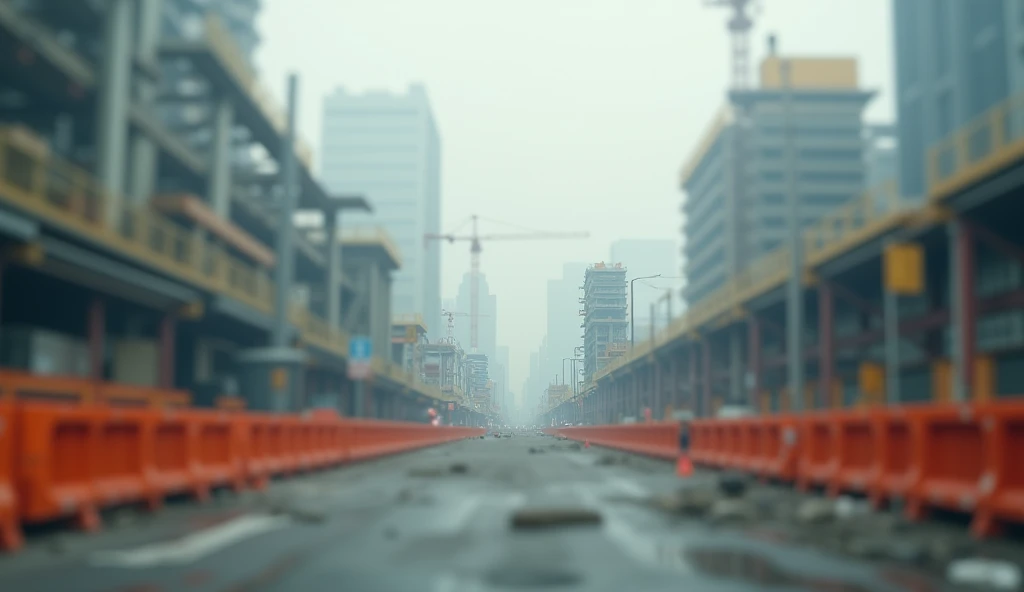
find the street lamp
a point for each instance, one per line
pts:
(632, 325)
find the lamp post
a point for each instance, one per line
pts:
(632, 325)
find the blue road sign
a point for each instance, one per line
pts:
(360, 349)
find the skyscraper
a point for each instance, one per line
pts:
(645, 257)
(387, 147)
(738, 179)
(954, 60)
(487, 323)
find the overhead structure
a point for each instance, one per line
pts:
(739, 25)
(474, 249)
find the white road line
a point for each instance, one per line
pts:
(193, 547)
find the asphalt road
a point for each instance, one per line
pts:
(520, 513)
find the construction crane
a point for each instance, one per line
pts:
(739, 25)
(451, 322)
(474, 240)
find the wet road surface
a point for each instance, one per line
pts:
(461, 517)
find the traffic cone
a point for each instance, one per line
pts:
(684, 468)
(586, 443)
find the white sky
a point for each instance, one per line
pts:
(554, 114)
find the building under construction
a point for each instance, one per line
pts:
(444, 366)
(480, 387)
(604, 316)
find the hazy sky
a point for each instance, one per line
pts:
(554, 114)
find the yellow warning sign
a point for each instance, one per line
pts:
(410, 334)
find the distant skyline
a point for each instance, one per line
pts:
(582, 124)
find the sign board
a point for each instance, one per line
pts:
(360, 355)
(411, 333)
(451, 406)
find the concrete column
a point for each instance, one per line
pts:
(97, 328)
(705, 405)
(168, 327)
(735, 365)
(674, 391)
(694, 384)
(143, 173)
(656, 408)
(891, 322)
(114, 92)
(333, 271)
(963, 308)
(284, 269)
(754, 361)
(826, 343)
(219, 190)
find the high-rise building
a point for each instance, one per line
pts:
(386, 147)
(500, 376)
(565, 333)
(954, 60)
(487, 323)
(881, 155)
(646, 257)
(605, 328)
(737, 181)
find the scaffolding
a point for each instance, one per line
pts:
(605, 328)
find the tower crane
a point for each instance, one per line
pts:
(739, 25)
(451, 323)
(474, 240)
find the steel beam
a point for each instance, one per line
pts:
(284, 270)
(963, 307)
(113, 104)
(826, 343)
(754, 360)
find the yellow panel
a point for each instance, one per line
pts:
(871, 383)
(984, 379)
(765, 398)
(904, 268)
(811, 73)
(942, 381)
(410, 334)
(279, 379)
(835, 394)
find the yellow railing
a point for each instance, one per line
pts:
(36, 181)
(223, 45)
(372, 235)
(833, 233)
(318, 331)
(991, 141)
(851, 222)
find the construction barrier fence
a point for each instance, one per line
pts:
(63, 457)
(958, 457)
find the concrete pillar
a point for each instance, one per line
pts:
(963, 308)
(113, 103)
(97, 328)
(219, 190)
(754, 361)
(168, 326)
(285, 255)
(694, 374)
(143, 173)
(334, 275)
(891, 322)
(674, 392)
(735, 365)
(826, 343)
(705, 403)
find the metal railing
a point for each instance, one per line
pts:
(849, 222)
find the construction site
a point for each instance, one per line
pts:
(209, 383)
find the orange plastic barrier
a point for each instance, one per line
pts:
(659, 439)
(962, 457)
(10, 533)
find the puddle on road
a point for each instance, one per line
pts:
(754, 568)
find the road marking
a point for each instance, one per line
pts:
(193, 547)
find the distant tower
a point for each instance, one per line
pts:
(739, 27)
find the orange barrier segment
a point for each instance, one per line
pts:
(10, 531)
(658, 439)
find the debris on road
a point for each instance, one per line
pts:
(733, 484)
(532, 518)
(731, 510)
(995, 575)
(816, 511)
(459, 468)
(426, 472)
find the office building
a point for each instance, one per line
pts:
(605, 328)
(647, 257)
(386, 147)
(954, 60)
(738, 179)
(564, 331)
